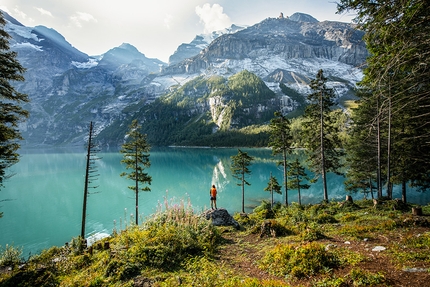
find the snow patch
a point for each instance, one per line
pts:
(86, 65)
(25, 32)
(26, 45)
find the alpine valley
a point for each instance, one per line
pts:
(213, 89)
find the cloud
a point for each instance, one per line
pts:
(213, 17)
(43, 11)
(167, 20)
(80, 17)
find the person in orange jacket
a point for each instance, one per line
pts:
(213, 193)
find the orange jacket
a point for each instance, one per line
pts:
(213, 192)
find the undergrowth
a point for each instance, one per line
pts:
(178, 247)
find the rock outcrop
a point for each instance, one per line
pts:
(220, 217)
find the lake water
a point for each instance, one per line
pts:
(42, 202)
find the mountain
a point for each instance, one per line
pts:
(218, 84)
(200, 42)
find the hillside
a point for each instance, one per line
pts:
(333, 244)
(69, 88)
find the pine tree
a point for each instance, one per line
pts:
(239, 169)
(397, 73)
(136, 158)
(273, 186)
(281, 141)
(297, 174)
(11, 112)
(320, 132)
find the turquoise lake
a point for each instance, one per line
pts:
(42, 202)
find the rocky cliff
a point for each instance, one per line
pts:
(68, 88)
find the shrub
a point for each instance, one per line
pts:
(365, 278)
(10, 255)
(299, 261)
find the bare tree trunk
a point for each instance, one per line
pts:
(87, 170)
(378, 176)
(323, 172)
(137, 188)
(243, 192)
(389, 191)
(285, 177)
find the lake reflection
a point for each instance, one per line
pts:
(44, 206)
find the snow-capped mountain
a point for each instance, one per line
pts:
(68, 88)
(199, 43)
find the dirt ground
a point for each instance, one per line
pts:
(243, 253)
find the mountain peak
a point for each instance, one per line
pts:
(302, 17)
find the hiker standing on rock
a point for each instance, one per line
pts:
(213, 196)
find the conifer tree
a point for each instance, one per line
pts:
(11, 112)
(136, 158)
(320, 132)
(397, 73)
(297, 174)
(281, 141)
(273, 186)
(239, 169)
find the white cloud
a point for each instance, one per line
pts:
(167, 20)
(43, 11)
(80, 17)
(213, 17)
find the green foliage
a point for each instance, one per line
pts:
(320, 131)
(395, 81)
(240, 168)
(10, 255)
(210, 111)
(136, 158)
(365, 278)
(11, 112)
(281, 143)
(412, 249)
(299, 260)
(296, 175)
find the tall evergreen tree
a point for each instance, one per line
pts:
(397, 73)
(239, 169)
(136, 158)
(281, 141)
(11, 112)
(297, 175)
(320, 132)
(363, 157)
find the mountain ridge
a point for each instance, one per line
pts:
(68, 88)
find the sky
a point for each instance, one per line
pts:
(155, 27)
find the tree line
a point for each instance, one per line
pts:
(388, 140)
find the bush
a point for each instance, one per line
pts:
(299, 261)
(10, 256)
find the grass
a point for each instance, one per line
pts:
(326, 244)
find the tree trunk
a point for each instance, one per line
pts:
(87, 170)
(243, 192)
(378, 176)
(323, 172)
(389, 191)
(404, 191)
(137, 188)
(285, 177)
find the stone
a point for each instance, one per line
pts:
(220, 217)
(378, 248)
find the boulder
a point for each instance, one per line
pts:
(220, 217)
